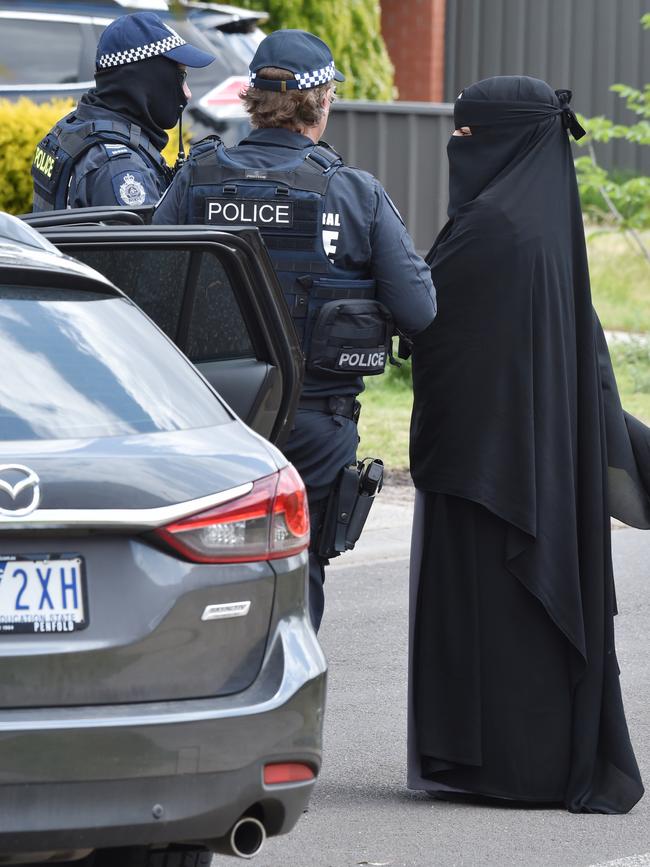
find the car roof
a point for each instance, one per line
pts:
(86, 7)
(23, 249)
(113, 8)
(223, 13)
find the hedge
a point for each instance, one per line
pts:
(351, 28)
(22, 125)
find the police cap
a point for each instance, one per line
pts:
(302, 53)
(142, 35)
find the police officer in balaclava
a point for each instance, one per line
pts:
(108, 150)
(341, 252)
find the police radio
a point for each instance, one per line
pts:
(181, 158)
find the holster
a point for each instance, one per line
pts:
(348, 507)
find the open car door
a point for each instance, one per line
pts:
(215, 294)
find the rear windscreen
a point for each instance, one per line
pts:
(76, 364)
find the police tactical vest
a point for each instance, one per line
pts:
(342, 328)
(57, 153)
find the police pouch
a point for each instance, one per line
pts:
(348, 507)
(351, 337)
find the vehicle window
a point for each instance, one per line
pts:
(39, 52)
(217, 328)
(78, 364)
(155, 279)
(223, 65)
(242, 45)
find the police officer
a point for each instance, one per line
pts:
(108, 150)
(340, 249)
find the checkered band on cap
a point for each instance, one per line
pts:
(140, 52)
(306, 80)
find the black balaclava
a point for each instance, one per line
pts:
(148, 93)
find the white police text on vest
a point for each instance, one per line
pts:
(373, 360)
(256, 212)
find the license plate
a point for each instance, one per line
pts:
(43, 594)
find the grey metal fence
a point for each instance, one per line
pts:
(403, 144)
(584, 45)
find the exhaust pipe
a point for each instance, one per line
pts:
(244, 840)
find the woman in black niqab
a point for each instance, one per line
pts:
(514, 689)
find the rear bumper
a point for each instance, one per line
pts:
(89, 777)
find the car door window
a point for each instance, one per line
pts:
(190, 295)
(217, 329)
(39, 52)
(155, 279)
(163, 281)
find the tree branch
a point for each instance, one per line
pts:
(643, 249)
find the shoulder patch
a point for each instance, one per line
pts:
(129, 188)
(116, 150)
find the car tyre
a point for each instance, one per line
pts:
(187, 857)
(139, 856)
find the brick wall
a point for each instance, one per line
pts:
(414, 32)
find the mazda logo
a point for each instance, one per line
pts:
(23, 487)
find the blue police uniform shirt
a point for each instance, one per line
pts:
(111, 173)
(361, 227)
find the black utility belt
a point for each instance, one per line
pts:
(347, 406)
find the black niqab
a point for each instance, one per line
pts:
(148, 93)
(467, 180)
(508, 406)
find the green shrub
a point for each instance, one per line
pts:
(22, 125)
(633, 357)
(351, 28)
(616, 182)
(624, 199)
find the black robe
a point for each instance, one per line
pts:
(515, 690)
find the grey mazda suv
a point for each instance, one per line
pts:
(162, 688)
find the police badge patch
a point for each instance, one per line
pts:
(129, 189)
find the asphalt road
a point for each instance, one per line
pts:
(361, 812)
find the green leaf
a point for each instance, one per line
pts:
(604, 196)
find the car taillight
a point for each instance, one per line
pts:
(281, 773)
(271, 521)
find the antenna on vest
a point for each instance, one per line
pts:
(181, 147)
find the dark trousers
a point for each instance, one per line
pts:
(319, 446)
(316, 564)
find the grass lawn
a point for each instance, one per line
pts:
(620, 281)
(632, 368)
(621, 290)
(384, 422)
